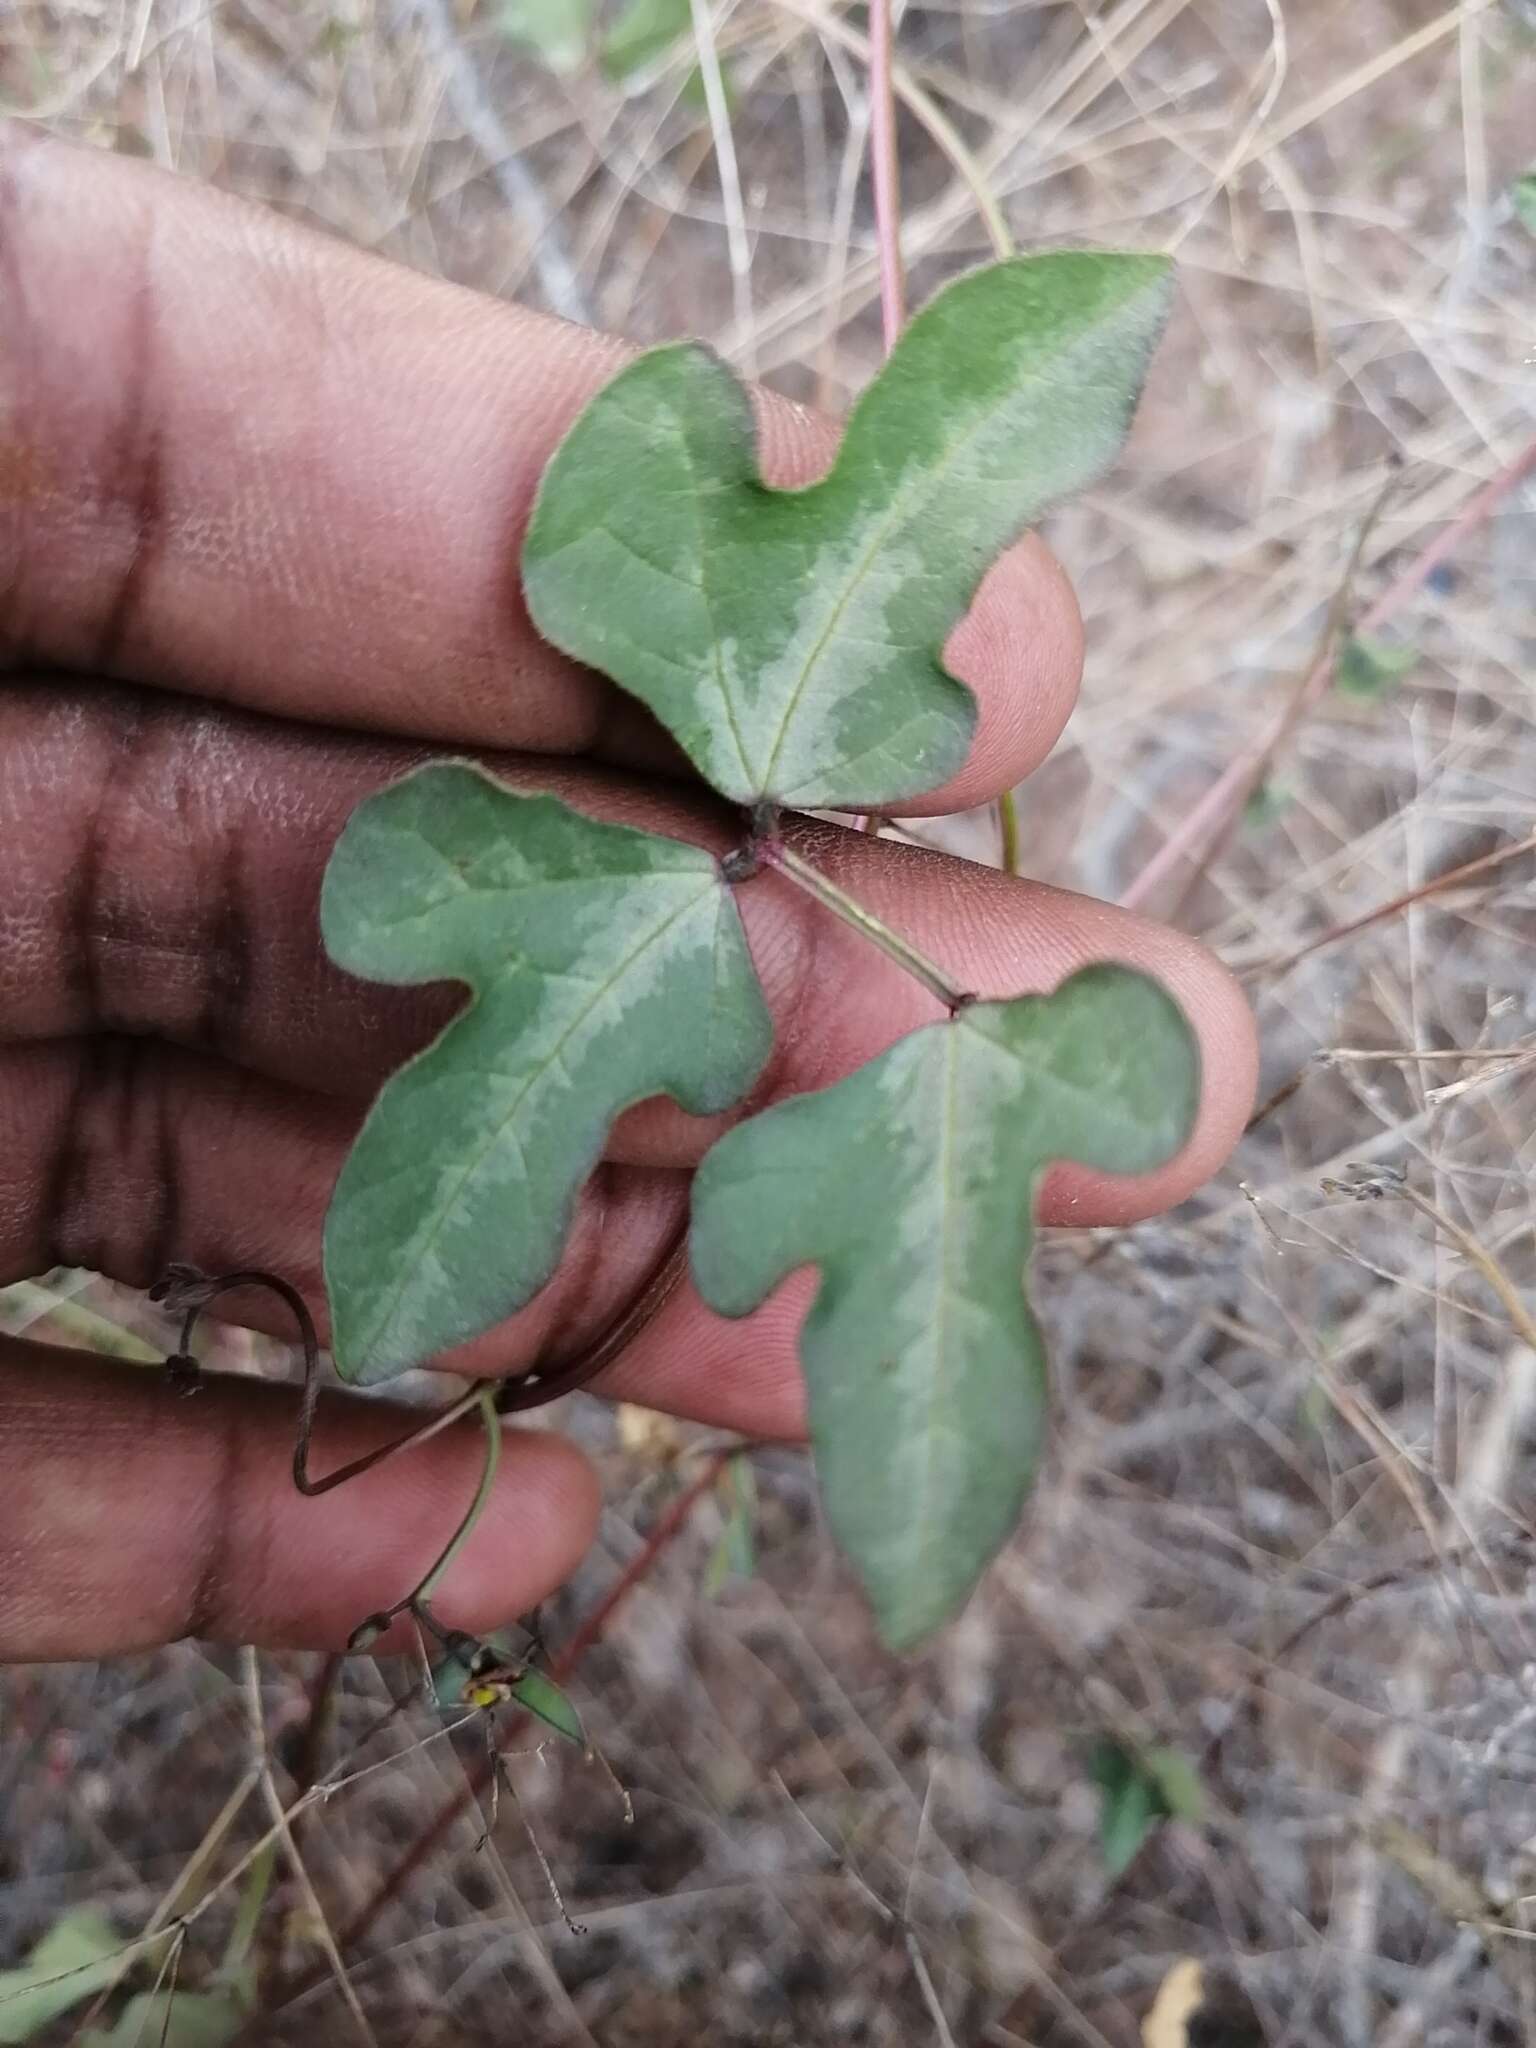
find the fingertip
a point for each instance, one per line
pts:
(1019, 650)
(1218, 1012)
(530, 1535)
(131, 1517)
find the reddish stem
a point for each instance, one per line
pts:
(885, 172)
(1202, 827)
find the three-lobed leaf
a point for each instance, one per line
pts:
(911, 1186)
(792, 640)
(605, 965)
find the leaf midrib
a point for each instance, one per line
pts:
(721, 686)
(426, 1244)
(922, 1520)
(929, 479)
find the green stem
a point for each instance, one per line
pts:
(248, 1911)
(932, 977)
(461, 1535)
(1008, 825)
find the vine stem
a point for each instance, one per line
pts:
(785, 861)
(1008, 831)
(668, 1527)
(456, 1542)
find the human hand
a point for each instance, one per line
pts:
(261, 502)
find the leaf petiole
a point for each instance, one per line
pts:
(775, 854)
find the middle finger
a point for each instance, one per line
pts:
(163, 877)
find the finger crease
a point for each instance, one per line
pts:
(136, 469)
(210, 1610)
(111, 1199)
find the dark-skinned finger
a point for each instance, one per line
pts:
(245, 461)
(129, 1516)
(124, 1156)
(164, 880)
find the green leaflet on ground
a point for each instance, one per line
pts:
(174, 2019)
(557, 29)
(734, 1555)
(606, 965)
(1523, 194)
(1369, 667)
(1137, 1789)
(643, 34)
(912, 1186)
(78, 1955)
(792, 640)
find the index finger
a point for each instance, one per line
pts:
(243, 460)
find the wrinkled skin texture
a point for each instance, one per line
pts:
(260, 504)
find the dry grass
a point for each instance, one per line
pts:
(1281, 1405)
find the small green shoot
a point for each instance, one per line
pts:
(734, 1555)
(558, 30)
(1138, 1788)
(1268, 801)
(1369, 668)
(644, 33)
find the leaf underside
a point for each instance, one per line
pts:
(911, 1185)
(792, 640)
(605, 965)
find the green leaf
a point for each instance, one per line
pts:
(643, 34)
(547, 1703)
(911, 1185)
(606, 965)
(1138, 1788)
(792, 640)
(174, 2019)
(557, 29)
(1178, 1784)
(1523, 193)
(735, 1551)
(1128, 1805)
(1266, 803)
(78, 1955)
(1369, 667)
